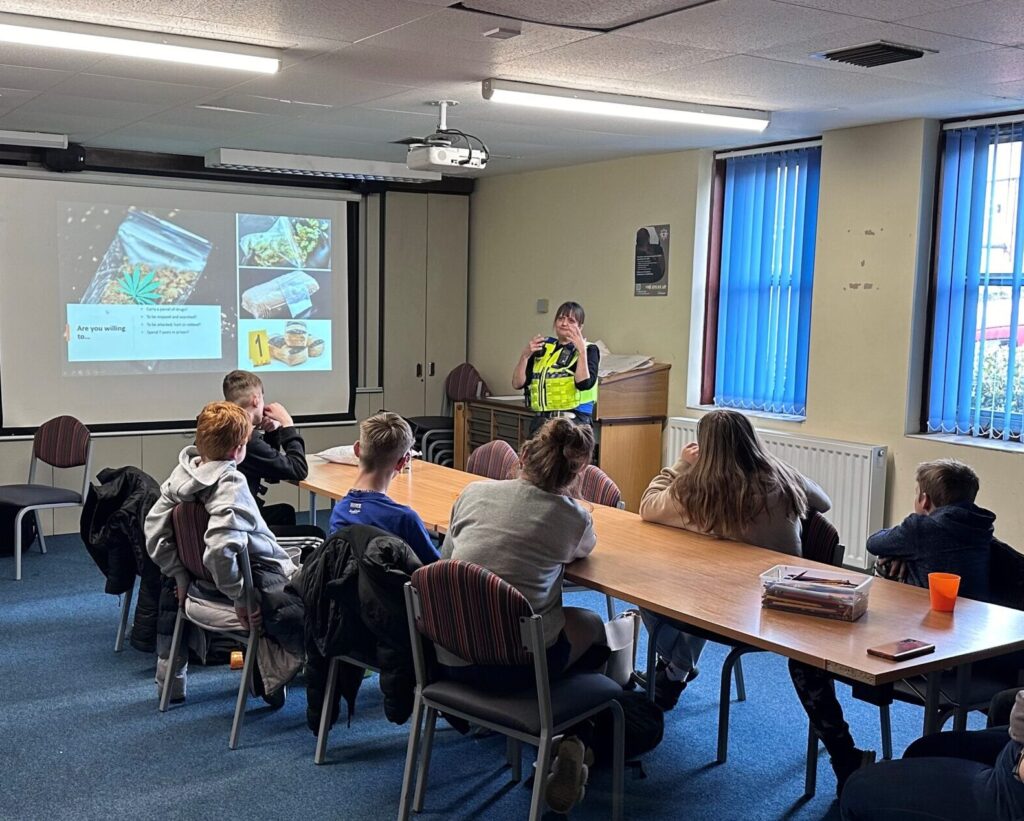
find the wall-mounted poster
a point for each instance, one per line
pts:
(650, 272)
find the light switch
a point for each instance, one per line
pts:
(542, 306)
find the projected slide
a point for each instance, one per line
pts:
(164, 290)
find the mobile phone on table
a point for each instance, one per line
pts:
(902, 649)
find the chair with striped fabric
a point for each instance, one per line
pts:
(495, 460)
(435, 435)
(472, 613)
(595, 486)
(189, 521)
(62, 442)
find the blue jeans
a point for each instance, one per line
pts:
(942, 777)
(678, 648)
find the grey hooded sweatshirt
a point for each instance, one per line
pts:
(235, 522)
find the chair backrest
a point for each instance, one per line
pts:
(819, 540)
(471, 612)
(464, 384)
(594, 485)
(62, 442)
(189, 521)
(1006, 576)
(495, 460)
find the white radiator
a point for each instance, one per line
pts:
(853, 475)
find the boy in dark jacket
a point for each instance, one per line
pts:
(946, 533)
(275, 452)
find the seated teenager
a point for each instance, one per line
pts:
(383, 451)
(276, 451)
(947, 777)
(208, 472)
(948, 533)
(725, 484)
(526, 530)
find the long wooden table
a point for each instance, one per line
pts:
(714, 584)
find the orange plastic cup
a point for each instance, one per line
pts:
(943, 588)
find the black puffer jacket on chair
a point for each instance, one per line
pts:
(352, 588)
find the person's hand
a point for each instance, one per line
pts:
(890, 568)
(245, 617)
(533, 346)
(690, 453)
(276, 412)
(576, 336)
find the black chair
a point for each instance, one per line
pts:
(62, 442)
(472, 613)
(435, 435)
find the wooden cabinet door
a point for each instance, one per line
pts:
(446, 290)
(404, 296)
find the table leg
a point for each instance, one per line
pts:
(312, 507)
(931, 703)
(963, 686)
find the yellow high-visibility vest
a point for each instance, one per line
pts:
(553, 386)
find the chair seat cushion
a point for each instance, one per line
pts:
(32, 495)
(570, 697)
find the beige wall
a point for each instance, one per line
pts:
(568, 234)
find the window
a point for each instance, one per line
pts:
(975, 375)
(761, 267)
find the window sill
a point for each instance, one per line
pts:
(778, 417)
(969, 441)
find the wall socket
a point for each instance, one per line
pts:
(542, 306)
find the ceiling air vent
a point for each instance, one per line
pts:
(870, 55)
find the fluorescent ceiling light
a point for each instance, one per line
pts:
(34, 139)
(305, 165)
(47, 33)
(619, 105)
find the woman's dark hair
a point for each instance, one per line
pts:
(573, 309)
(556, 453)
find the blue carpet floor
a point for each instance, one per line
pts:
(81, 738)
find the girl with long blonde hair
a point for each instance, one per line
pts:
(725, 484)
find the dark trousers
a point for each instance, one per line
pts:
(816, 690)
(280, 514)
(945, 777)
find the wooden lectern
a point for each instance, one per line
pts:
(631, 409)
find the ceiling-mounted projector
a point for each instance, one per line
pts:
(447, 159)
(448, 150)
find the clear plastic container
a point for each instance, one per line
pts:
(831, 594)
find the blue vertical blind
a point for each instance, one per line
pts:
(770, 215)
(976, 376)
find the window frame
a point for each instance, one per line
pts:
(709, 352)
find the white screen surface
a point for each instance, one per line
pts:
(127, 304)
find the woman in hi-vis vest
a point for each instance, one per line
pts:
(558, 374)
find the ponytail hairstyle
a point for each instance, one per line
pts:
(556, 454)
(734, 476)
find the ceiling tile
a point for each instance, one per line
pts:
(325, 79)
(760, 83)
(458, 34)
(738, 25)
(888, 10)
(79, 128)
(996, 21)
(31, 79)
(607, 55)
(385, 65)
(341, 21)
(804, 49)
(579, 13)
(95, 86)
